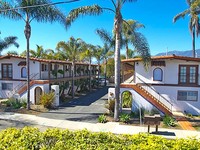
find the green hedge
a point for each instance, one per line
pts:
(30, 138)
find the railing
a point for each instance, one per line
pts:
(157, 95)
(15, 90)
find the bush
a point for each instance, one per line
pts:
(32, 138)
(47, 99)
(127, 99)
(14, 103)
(110, 105)
(169, 121)
(124, 118)
(102, 119)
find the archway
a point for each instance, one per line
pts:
(127, 99)
(38, 93)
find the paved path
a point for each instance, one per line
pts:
(85, 109)
(112, 127)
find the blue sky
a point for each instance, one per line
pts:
(156, 15)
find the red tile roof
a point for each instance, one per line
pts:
(165, 57)
(43, 60)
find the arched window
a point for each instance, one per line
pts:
(157, 74)
(23, 72)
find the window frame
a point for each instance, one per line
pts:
(22, 75)
(161, 73)
(7, 71)
(188, 75)
(3, 86)
(187, 93)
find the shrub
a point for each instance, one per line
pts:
(32, 138)
(102, 119)
(14, 103)
(110, 105)
(124, 118)
(47, 99)
(169, 121)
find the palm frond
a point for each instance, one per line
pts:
(106, 37)
(7, 42)
(82, 11)
(142, 48)
(181, 15)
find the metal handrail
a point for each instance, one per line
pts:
(159, 95)
(23, 83)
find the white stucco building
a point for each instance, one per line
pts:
(43, 74)
(171, 83)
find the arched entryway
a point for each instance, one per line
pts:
(127, 99)
(38, 93)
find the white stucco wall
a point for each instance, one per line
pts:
(170, 93)
(170, 71)
(34, 67)
(44, 87)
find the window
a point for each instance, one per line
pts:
(7, 71)
(7, 86)
(44, 67)
(158, 63)
(187, 95)
(23, 72)
(157, 74)
(188, 74)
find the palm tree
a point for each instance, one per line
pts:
(29, 11)
(38, 53)
(118, 20)
(71, 51)
(7, 42)
(194, 20)
(87, 54)
(128, 33)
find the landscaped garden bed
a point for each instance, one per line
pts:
(32, 138)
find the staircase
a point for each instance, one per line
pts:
(151, 96)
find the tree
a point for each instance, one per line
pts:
(118, 20)
(87, 54)
(25, 12)
(193, 12)
(129, 28)
(38, 53)
(71, 51)
(12, 52)
(7, 42)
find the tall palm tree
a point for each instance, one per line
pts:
(7, 42)
(118, 20)
(25, 12)
(71, 51)
(193, 23)
(87, 55)
(129, 27)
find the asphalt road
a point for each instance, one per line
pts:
(86, 108)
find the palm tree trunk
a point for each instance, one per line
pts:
(126, 50)
(193, 42)
(73, 70)
(90, 75)
(105, 71)
(118, 28)
(98, 71)
(27, 33)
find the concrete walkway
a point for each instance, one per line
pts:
(112, 127)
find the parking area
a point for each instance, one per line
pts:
(85, 108)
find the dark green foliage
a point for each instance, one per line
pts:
(169, 121)
(55, 139)
(124, 117)
(102, 119)
(14, 103)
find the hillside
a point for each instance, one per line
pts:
(180, 53)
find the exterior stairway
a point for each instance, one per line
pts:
(160, 103)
